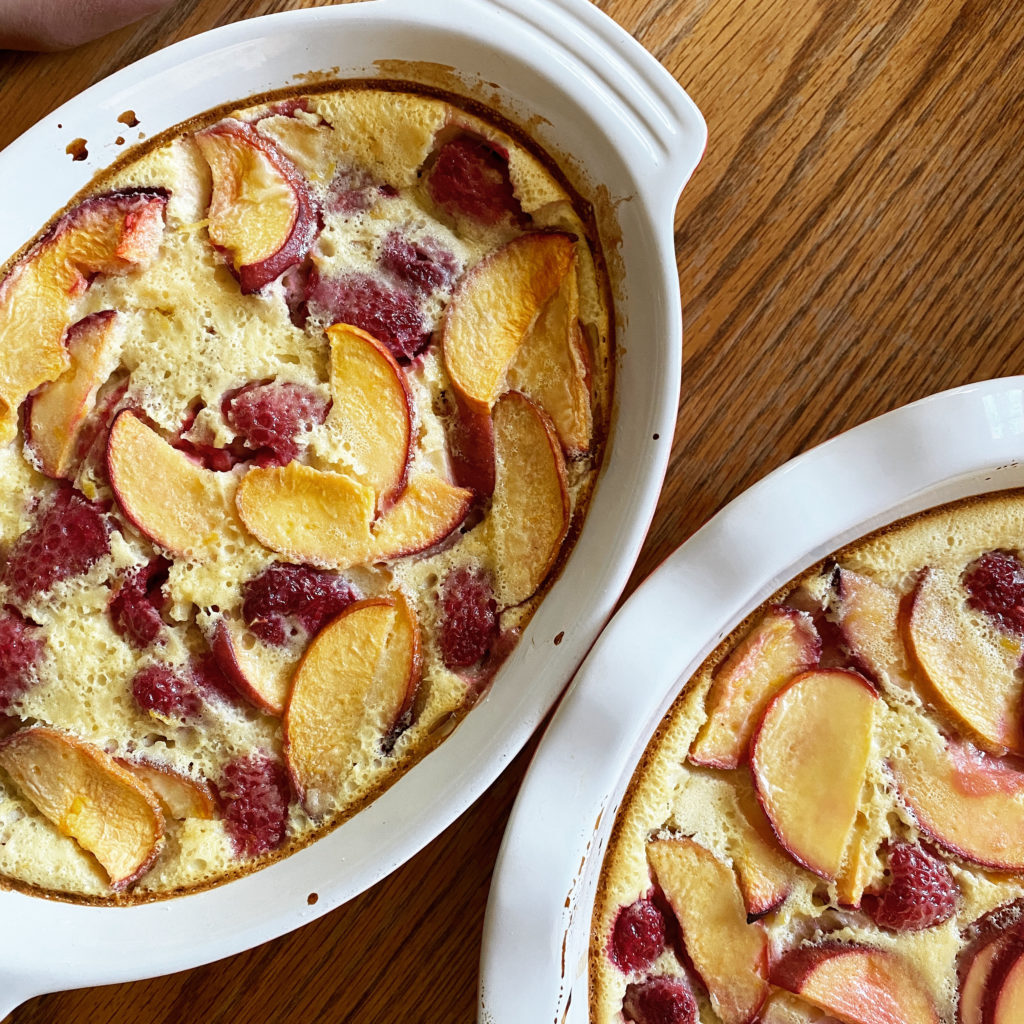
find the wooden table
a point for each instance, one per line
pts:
(851, 242)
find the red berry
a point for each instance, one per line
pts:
(995, 586)
(285, 596)
(167, 693)
(921, 891)
(660, 1000)
(21, 647)
(271, 417)
(424, 266)
(69, 535)
(391, 315)
(470, 178)
(638, 936)
(135, 608)
(254, 793)
(469, 621)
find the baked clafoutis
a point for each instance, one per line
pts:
(300, 412)
(828, 825)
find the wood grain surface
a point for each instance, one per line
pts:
(851, 242)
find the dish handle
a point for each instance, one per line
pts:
(624, 82)
(16, 989)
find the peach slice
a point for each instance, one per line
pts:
(325, 518)
(730, 955)
(530, 510)
(176, 503)
(357, 679)
(808, 760)
(783, 644)
(764, 871)
(1004, 998)
(180, 796)
(975, 986)
(260, 674)
(858, 984)
(785, 1008)
(307, 514)
(970, 803)
(427, 512)
(261, 210)
(58, 411)
(971, 678)
(494, 306)
(89, 797)
(860, 865)
(552, 367)
(108, 234)
(868, 616)
(984, 941)
(371, 413)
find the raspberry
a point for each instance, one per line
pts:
(20, 648)
(469, 622)
(921, 891)
(638, 936)
(69, 535)
(660, 1000)
(254, 793)
(424, 266)
(995, 586)
(135, 608)
(271, 416)
(391, 315)
(307, 596)
(166, 693)
(470, 178)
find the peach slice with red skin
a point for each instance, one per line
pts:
(857, 984)
(89, 797)
(327, 519)
(967, 801)
(494, 305)
(971, 679)
(868, 617)
(809, 759)
(763, 869)
(730, 955)
(552, 366)
(371, 411)
(358, 677)
(261, 210)
(176, 503)
(180, 796)
(107, 234)
(57, 412)
(259, 674)
(530, 509)
(783, 644)
(984, 939)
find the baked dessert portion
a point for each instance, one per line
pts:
(300, 412)
(828, 824)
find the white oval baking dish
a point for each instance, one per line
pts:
(537, 928)
(587, 89)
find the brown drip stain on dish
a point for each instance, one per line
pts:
(128, 117)
(312, 898)
(119, 141)
(76, 149)
(558, 639)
